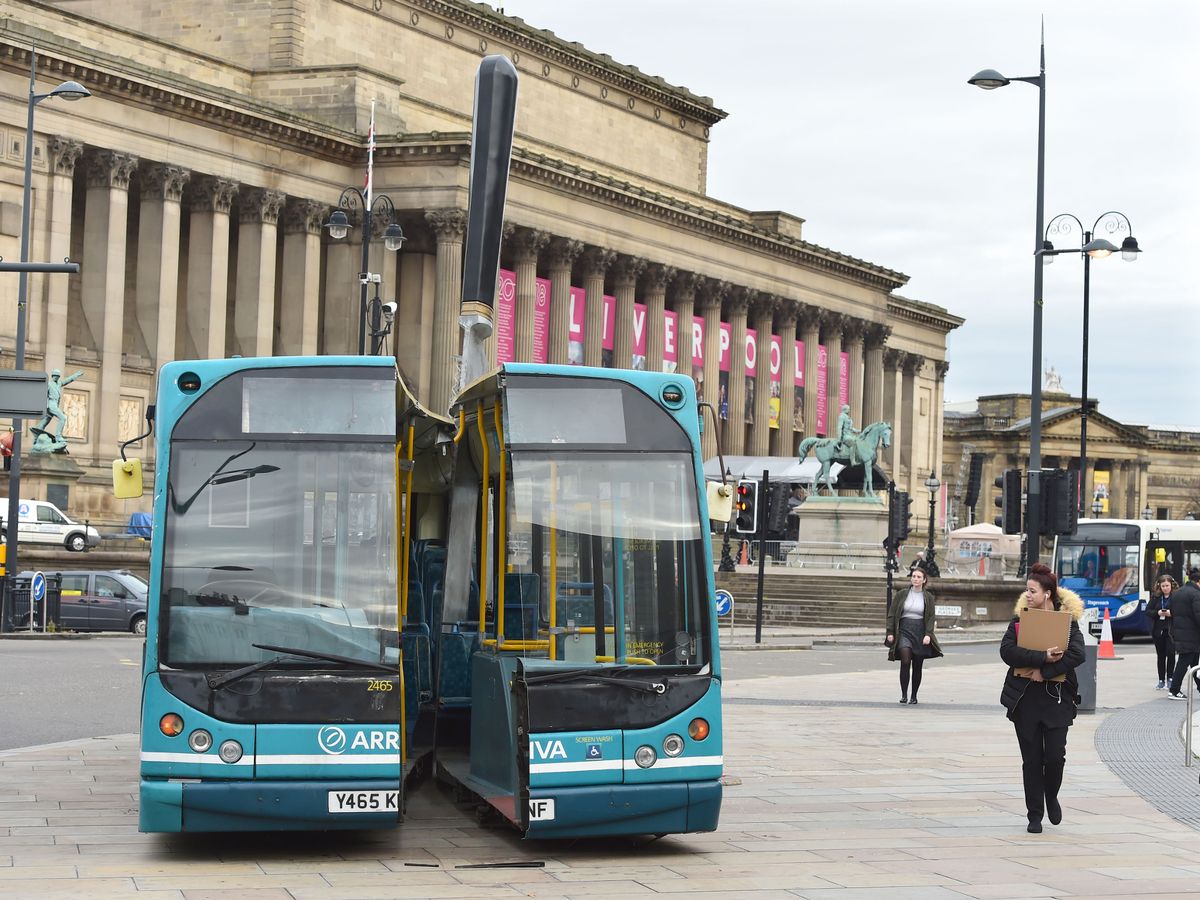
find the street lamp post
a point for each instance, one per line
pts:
(68, 90)
(931, 484)
(1115, 223)
(393, 238)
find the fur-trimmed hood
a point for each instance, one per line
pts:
(1068, 599)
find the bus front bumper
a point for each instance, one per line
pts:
(183, 805)
(624, 809)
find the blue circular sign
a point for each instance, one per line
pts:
(38, 587)
(724, 603)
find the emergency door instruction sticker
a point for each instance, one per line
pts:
(541, 810)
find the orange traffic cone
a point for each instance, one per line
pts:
(744, 556)
(1107, 650)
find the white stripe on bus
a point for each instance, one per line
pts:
(358, 759)
(598, 765)
(678, 762)
(203, 759)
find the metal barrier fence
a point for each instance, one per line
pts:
(18, 599)
(865, 558)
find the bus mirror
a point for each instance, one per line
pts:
(720, 501)
(127, 478)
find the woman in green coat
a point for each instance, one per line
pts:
(910, 632)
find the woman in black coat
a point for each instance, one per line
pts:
(1158, 611)
(910, 631)
(1040, 708)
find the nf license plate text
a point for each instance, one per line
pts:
(364, 801)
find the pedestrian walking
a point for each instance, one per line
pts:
(1185, 632)
(911, 636)
(1040, 708)
(1158, 611)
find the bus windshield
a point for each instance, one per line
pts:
(628, 523)
(288, 543)
(1098, 567)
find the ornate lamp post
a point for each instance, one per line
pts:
(1115, 223)
(393, 238)
(931, 484)
(68, 90)
(1097, 507)
(989, 80)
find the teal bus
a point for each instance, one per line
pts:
(349, 591)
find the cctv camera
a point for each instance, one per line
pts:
(389, 310)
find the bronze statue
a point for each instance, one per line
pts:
(849, 446)
(43, 440)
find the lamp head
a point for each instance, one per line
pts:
(393, 237)
(1130, 249)
(1099, 248)
(70, 90)
(1047, 253)
(932, 482)
(988, 79)
(338, 225)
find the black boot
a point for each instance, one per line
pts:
(1034, 827)
(1053, 810)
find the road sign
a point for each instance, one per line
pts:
(724, 603)
(22, 394)
(38, 587)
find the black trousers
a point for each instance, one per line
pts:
(1184, 661)
(1165, 648)
(1043, 750)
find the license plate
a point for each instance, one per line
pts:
(364, 801)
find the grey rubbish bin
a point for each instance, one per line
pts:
(1086, 673)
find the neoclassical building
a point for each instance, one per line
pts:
(1130, 468)
(193, 186)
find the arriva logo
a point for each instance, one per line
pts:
(332, 739)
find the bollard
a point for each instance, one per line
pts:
(1086, 673)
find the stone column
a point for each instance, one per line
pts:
(833, 326)
(208, 265)
(339, 319)
(158, 258)
(625, 275)
(940, 368)
(103, 270)
(526, 244)
(893, 396)
(759, 441)
(1117, 490)
(449, 226)
(560, 257)
(737, 305)
(1143, 487)
(911, 366)
(782, 440)
(875, 338)
(254, 290)
(710, 293)
(594, 264)
(810, 330)
(656, 279)
(64, 153)
(683, 303)
(300, 292)
(853, 335)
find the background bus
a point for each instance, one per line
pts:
(1113, 563)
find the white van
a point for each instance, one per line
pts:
(44, 523)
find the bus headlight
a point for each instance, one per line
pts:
(200, 740)
(645, 756)
(171, 725)
(230, 751)
(1128, 608)
(673, 745)
(698, 729)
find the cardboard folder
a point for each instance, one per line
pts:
(1042, 629)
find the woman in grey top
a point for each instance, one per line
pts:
(910, 632)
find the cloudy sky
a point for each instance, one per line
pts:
(856, 116)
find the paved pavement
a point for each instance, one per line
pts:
(834, 791)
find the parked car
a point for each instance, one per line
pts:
(100, 601)
(44, 523)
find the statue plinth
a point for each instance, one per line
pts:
(844, 532)
(41, 471)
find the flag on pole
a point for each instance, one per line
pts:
(370, 161)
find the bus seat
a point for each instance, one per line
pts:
(417, 619)
(521, 605)
(577, 605)
(454, 667)
(418, 672)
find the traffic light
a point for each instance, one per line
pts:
(777, 507)
(745, 507)
(1060, 502)
(1009, 501)
(898, 517)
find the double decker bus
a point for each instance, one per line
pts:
(1113, 564)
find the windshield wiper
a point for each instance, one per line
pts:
(604, 676)
(216, 682)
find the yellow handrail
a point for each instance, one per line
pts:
(553, 557)
(462, 425)
(636, 660)
(483, 517)
(518, 644)
(502, 543)
(401, 596)
(408, 519)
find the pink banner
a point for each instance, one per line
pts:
(541, 321)
(798, 389)
(799, 373)
(670, 341)
(844, 381)
(610, 318)
(506, 307)
(697, 342)
(726, 339)
(578, 320)
(639, 331)
(751, 353)
(822, 426)
(776, 359)
(775, 367)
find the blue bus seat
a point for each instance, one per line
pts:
(418, 671)
(522, 596)
(577, 604)
(454, 667)
(417, 619)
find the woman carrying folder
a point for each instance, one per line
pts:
(1040, 707)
